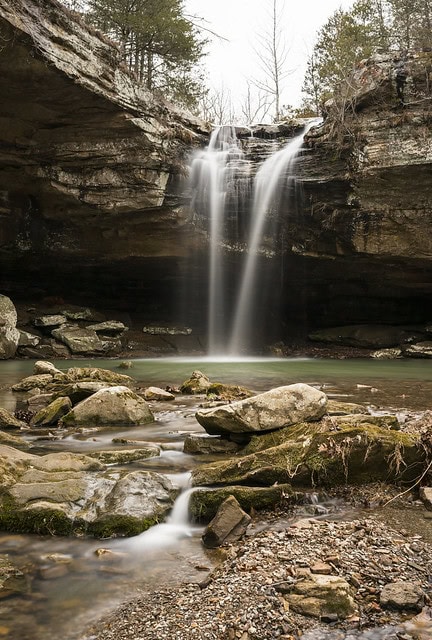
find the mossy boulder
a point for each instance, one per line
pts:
(204, 503)
(196, 384)
(51, 414)
(267, 411)
(39, 381)
(78, 391)
(111, 406)
(67, 494)
(337, 408)
(94, 374)
(195, 444)
(359, 454)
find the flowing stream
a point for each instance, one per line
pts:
(65, 584)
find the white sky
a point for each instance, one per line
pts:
(230, 63)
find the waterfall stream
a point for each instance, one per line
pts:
(237, 210)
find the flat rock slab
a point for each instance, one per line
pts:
(402, 595)
(268, 411)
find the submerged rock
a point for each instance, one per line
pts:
(265, 412)
(110, 406)
(9, 334)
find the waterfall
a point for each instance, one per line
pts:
(219, 192)
(223, 195)
(276, 175)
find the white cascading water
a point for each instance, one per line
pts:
(216, 180)
(274, 176)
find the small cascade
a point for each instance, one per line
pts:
(220, 183)
(167, 534)
(275, 178)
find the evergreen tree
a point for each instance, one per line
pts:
(158, 43)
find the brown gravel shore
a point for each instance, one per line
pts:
(245, 597)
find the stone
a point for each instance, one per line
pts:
(39, 381)
(419, 350)
(406, 596)
(38, 401)
(228, 392)
(43, 367)
(93, 374)
(426, 496)
(79, 340)
(78, 391)
(124, 456)
(320, 596)
(204, 503)
(47, 322)
(268, 411)
(207, 445)
(13, 441)
(337, 408)
(321, 567)
(167, 331)
(228, 525)
(81, 314)
(52, 413)
(387, 354)
(359, 454)
(197, 383)
(8, 421)
(9, 334)
(111, 407)
(154, 393)
(109, 327)
(27, 339)
(72, 494)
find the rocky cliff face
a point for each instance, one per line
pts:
(90, 162)
(365, 232)
(92, 204)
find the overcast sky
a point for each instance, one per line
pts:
(240, 21)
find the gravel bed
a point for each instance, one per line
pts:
(241, 598)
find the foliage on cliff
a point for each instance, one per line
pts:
(350, 36)
(158, 42)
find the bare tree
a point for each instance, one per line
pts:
(216, 106)
(255, 105)
(272, 55)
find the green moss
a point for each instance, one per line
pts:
(204, 503)
(121, 526)
(40, 521)
(228, 391)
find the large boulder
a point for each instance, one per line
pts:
(268, 411)
(65, 493)
(111, 406)
(364, 453)
(9, 334)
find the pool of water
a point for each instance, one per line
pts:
(64, 582)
